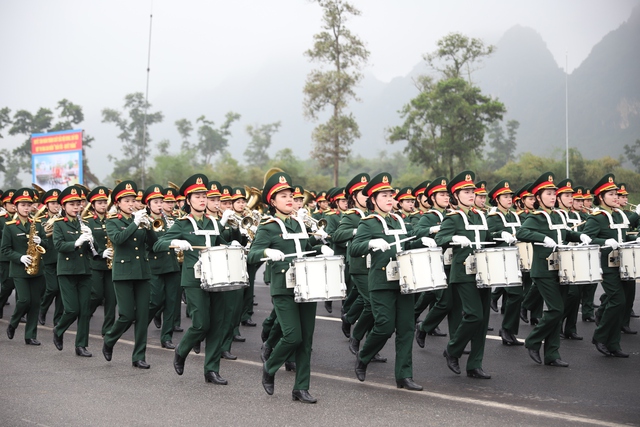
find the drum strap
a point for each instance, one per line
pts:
(617, 227)
(511, 225)
(567, 217)
(393, 232)
(437, 212)
(360, 212)
(476, 228)
(557, 227)
(206, 233)
(296, 237)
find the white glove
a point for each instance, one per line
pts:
(85, 229)
(37, 240)
(83, 238)
(508, 238)
(355, 231)
(26, 260)
(108, 253)
(235, 243)
(302, 213)
(314, 227)
(463, 241)
(326, 250)
(585, 239)
(549, 242)
(321, 234)
(225, 217)
(274, 254)
(613, 243)
(379, 245)
(428, 242)
(243, 232)
(638, 240)
(434, 229)
(638, 209)
(183, 245)
(139, 215)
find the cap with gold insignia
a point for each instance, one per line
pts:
(606, 183)
(524, 192)
(180, 198)
(214, 189)
(438, 185)
(50, 196)
(194, 184)
(23, 195)
(380, 182)
(139, 195)
(278, 182)
(358, 182)
(578, 192)
(405, 193)
(544, 182)
(622, 189)
(238, 193)
(502, 187)
(462, 181)
(69, 194)
(98, 193)
(338, 193)
(298, 192)
(587, 194)
(322, 196)
(226, 193)
(481, 188)
(152, 192)
(421, 188)
(565, 186)
(124, 189)
(330, 194)
(169, 194)
(6, 197)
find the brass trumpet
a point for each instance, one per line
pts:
(309, 221)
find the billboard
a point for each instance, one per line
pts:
(56, 158)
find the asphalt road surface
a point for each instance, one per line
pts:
(40, 386)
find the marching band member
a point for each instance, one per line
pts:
(206, 308)
(50, 259)
(406, 208)
(379, 235)
(628, 285)
(480, 202)
(14, 248)
(6, 281)
(131, 235)
(548, 227)
(170, 210)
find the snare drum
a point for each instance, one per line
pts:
(421, 270)
(319, 279)
(525, 251)
(579, 265)
(222, 268)
(498, 267)
(629, 261)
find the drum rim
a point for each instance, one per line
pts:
(418, 250)
(319, 258)
(500, 249)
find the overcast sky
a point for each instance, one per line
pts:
(95, 52)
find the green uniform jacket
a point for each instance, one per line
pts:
(51, 257)
(162, 262)
(183, 230)
(427, 220)
(99, 230)
(333, 222)
(14, 245)
(597, 227)
(130, 260)
(496, 226)
(72, 260)
(534, 230)
(453, 225)
(344, 235)
(3, 220)
(408, 222)
(269, 236)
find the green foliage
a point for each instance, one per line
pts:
(172, 167)
(632, 153)
(256, 152)
(503, 147)
(213, 141)
(455, 52)
(185, 128)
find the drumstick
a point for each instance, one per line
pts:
(503, 240)
(475, 243)
(192, 247)
(400, 241)
(290, 255)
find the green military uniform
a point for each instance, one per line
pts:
(628, 285)
(52, 290)
(588, 291)
(131, 277)
(29, 288)
(6, 282)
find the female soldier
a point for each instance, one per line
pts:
(548, 227)
(74, 242)
(276, 237)
(52, 291)
(29, 287)
(379, 235)
(206, 308)
(131, 235)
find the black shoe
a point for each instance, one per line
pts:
(506, 337)
(452, 362)
(11, 331)
(227, 355)
(379, 359)
(619, 353)
(23, 319)
(436, 332)
(409, 384)
(524, 315)
(535, 355)
(265, 352)
(601, 347)
(255, 303)
(140, 364)
(157, 322)
(196, 347)
(534, 321)
(328, 305)
(42, 317)
(107, 352)
(558, 362)
(627, 330)
(478, 373)
(290, 366)
(178, 362)
(267, 380)
(239, 338)
(573, 336)
(633, 314)
(303, 396)
(490, 329)
(515, 340)
(248, 322)
(494, 305)
(57, 340)
(589, 319)
(83, 352)
(346, 326)
(214, 377)
(354, 345)
(420, 335)
(177, 329)
(361, 369)
(168, 344)
(31, 341)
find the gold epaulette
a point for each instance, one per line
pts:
(414, 213)
(330, 213)
(113, 215)
(267, 221)
(58, 219)
(13, 221)
(183, 218)
(370, 216)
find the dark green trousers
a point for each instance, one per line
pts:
(133, 304)
(233, 307)
(28, 291)
(6, 284)
(608, 330)
(571, 308)
(51, 293)
(586, 299)
(533, 300)
(365, 320)
(473, 327)
(548, 329)
(297, 321)
(629, 287)
(392, 312)
(247, 293)
(76, 294)
(165, 290)
(513, 296)
(268, 322)
(441, 309)
(103, 292)
(424, 300)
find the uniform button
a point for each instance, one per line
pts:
(122, 261)
(137, 257)
(155, 257)
(282, 271)
(168, 253)
(135, 238)
(80, 254)
(67, 259)
(136, 248)
(383, 268)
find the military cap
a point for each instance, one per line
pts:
(124, 189)
(524, 191)
(23, 195)
(421, 188)
(139, 195)
(544, 181)
(152, 192)
(98, 193)
(238, 193)
(338, 193)
(70, 194)
(322, 196)
(194, 184)
(81, 191)
(214, 189)
(380, 182)
(169, 194)
(50, 196)
(565, 186)
(436, 186)
(606, 183)
(481, 188)
(7, 195)
(587, 194)
(358, 182)
(226, 193)
(278, 182)
(405, 193)
(502, 187)
(462, 181)
(578, 192)
(622, 189)
(298, 192)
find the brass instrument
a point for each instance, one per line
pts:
(148, 224)
(48, 226)
(109, 245)
(309, 221)
(34, 250)
(268, 174)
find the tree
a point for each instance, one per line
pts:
(135, 146)
(632, 153)
(333, 88)
(503, 147)
(25, 123)
(455, 52)
(185, 128)
(256, 152)
(212, 141)
(5, 120)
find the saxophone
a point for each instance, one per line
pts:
(34, 250)
(109, 245)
